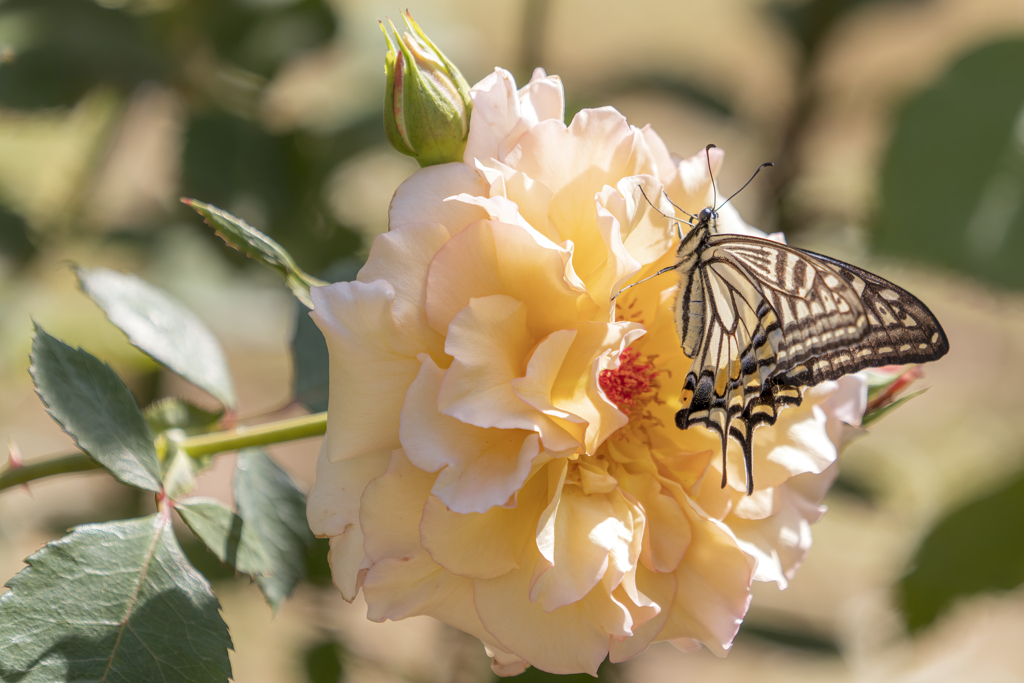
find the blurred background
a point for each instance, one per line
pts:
(897, 129)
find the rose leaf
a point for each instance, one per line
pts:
(161, 327)
(91, 403)
(234, 542)
(257, 246)
(112, 602)
(273, 505)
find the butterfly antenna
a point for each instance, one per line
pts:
(674, 218)
(764, 165)
(714, 187)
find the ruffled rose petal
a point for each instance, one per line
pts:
(415, 248)
(498, 258)
(416, 201)
(664, 164)
(647, 233)
(488, 340)
(581, 537)
(504, 664)
(659, 591)
(391, 508)
(487, 545)
(575, 162)
(348, 562)
(712, 587)
(357, 322)
(496, 116)
(333, 504)
(577, 388)
(479, 468)
(532, 198)
(403, 580)
(780, 540)
(845, 408)
(542, 98)
(571, 639)
(667, 534)
(797, 443)
(691, 188)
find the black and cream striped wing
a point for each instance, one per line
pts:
(901, 330)
(764, 319)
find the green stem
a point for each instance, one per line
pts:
(65, 464)
(291, 429)
(259, 435)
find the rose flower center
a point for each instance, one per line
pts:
(631, 387)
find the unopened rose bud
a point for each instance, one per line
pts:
(887, 389)
(426, 103)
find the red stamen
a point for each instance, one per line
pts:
(630, 382)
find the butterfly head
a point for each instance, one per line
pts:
(707, 220)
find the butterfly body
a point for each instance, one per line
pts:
(762, 320)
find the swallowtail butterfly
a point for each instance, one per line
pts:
(762, 320)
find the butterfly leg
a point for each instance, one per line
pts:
(660, 272)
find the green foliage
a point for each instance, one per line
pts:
(177, 413)
(257, 246)
(161, 327)
(311, 369)
(953, 181)
(233, 542)
(324, 662)
(112, 602)
(974, 549)
(91, 403)
(800, 637)
(270, 502)
(75, 45)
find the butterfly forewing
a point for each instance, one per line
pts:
(761, 319)
(901, 330)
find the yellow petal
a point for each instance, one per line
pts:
(489, 258)
(414, 249)
(712, 587)
(479, 468)
(575, 162)
(571, 639)
(581, 538)
(496, 116)
(333, 504)
(417, 201)
(348, 562)
(658, 590)
(391, 508)
(357, 322)
(489, 341)
(487, 545)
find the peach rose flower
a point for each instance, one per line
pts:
(501, 451)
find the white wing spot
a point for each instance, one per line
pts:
(889, 295)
